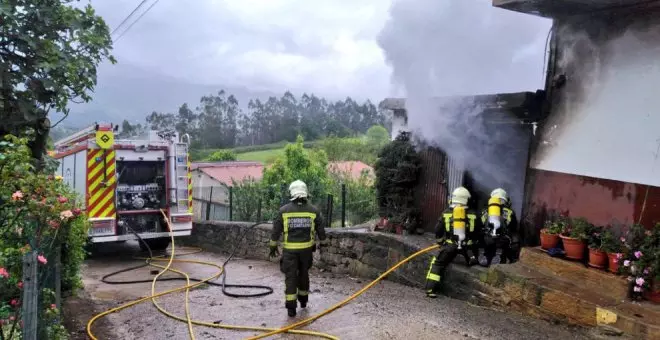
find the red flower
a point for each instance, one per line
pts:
(53, 306)
(54, 224)
(62, 199)
(76, 211)
(19, 285)
(14, 302)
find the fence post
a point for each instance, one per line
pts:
(259, 210)
(343, 205)
(231, 203)
(29, 309)
(282, 194)
(208, 205)
(329, 210)
(58, 277)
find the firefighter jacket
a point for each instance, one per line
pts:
(444, 230)
(298, 223)
(510, 221)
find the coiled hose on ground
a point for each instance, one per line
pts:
(222, 272)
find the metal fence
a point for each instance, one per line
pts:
(340, 205)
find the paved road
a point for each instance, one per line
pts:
(387, 311)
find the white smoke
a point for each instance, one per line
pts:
(461, 48)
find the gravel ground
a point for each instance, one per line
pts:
(387, 311)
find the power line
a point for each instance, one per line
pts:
(128, 17)
(136, 20)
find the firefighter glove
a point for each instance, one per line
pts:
(273, 252)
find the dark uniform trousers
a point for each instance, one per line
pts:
(449, 250)
(506, 240)
(295, 264)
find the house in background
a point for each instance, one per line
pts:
(211, 182)
(352, 168)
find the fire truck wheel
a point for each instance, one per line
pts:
(156, 244)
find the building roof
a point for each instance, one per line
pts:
(519, 103)
(224, 172)
(355, 168)
(559, 8)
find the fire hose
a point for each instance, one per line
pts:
(221, 270)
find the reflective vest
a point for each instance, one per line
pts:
(299, 230)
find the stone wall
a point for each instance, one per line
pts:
(353, 251)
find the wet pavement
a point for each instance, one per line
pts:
(387, 311)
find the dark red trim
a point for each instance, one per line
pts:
(70, 152)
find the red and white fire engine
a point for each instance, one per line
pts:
(126, 183)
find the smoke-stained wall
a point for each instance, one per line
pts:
(597, 153)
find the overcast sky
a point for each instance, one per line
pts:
(324, 46)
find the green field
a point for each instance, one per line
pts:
(264, 156)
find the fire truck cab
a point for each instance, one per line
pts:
(126, 183)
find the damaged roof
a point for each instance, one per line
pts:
(523, 104)
(559, 8)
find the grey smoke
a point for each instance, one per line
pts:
(440, 49)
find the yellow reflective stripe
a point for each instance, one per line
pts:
(471, 217)
(303, 293)
(433, 277)
(508, 214)
(298, 245)
(291, 297)
(447, 217)
(430, 267)
(272, 243)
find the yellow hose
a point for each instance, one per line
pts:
(270, 331)
(345, 301)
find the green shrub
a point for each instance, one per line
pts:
(40, 213)
(222, 156)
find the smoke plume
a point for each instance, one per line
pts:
(440, 49)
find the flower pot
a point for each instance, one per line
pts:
(549, 241)
(613, 262)
(597, 258)
(653, 293)
(574, 247)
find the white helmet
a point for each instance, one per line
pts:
(298, 189)
(460, 195)
(500, 193)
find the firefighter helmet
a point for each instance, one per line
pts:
(500, 193)
(460, 195)
(298, 189)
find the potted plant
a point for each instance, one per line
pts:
(597, 257)
(640, 262)
(550, 234)
(574, 236)
(613, 246)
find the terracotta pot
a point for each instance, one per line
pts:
(613, 262)
(597, 258)
(574, 247)
(549, 241)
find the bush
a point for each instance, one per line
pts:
(222, 156)
(361, 203)
(348, 149)
(38, 213)
(248, 194)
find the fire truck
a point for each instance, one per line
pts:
(127, 183)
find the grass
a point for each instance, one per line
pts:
(264, 156)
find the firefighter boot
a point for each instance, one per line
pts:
(302, 298)
(291, 312)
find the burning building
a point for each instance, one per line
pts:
(587, 144)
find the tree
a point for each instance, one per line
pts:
(397, 171)
(161, 121)
(49, 52)
(309, 166)
(129, 130)
(377, 137)
(222, 156)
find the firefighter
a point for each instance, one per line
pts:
(500, 228)
(298, 222)
(455, 233)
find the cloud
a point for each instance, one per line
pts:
(325, 46)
